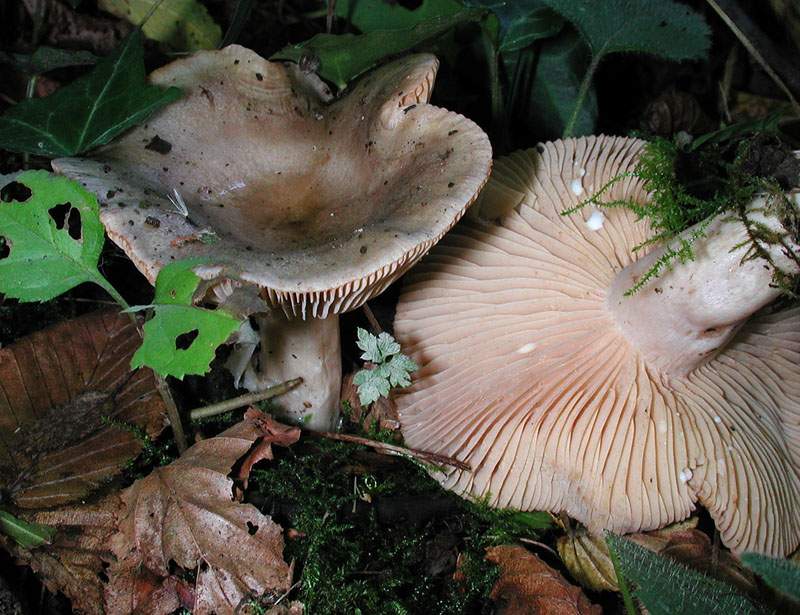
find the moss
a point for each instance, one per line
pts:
(690, 186)
(360, 549)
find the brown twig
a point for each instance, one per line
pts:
(392, 449)
(244, 400)
(373, 322)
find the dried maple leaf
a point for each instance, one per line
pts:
(184, 515)
(174, 538)
(58, 388)
(527, 585)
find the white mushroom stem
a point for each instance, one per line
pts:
(309, 349)
(680, 319)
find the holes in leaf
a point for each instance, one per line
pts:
(252, 528)
(74, 224)
(15, 191)
(66, 216)
(410, 4)
(185, 340)
(5, 247)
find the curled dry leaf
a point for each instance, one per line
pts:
(586, 556)
(528, 585)
(78, 557)
(176, 538)
(59, 390)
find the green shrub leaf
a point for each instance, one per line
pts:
(392, 369)
(556, 86)
(343, 57)
(779, 574)
(182, 338)
(27, 535)
(666, 587)
(376, 348)
(88, 112)
(50, 240)
(522, 22)
(371, 15)
(184, 25)
(658, 27)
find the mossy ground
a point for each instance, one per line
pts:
(372, 534)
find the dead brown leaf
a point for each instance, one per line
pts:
(58, 389)
(529, 586)
(586, 555)
(65, 28)
(174, 538)
(184, 515)
(78, 559)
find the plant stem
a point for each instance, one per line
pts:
(172, 413)
(244, 400)
(161, 384)
(392, 449)
(582, 92)
(493, 63)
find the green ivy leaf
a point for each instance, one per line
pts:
(522, 22)
(27, 535)
(50, 241)
(343, 57)
(659, 27)
(666, 587)
(779, 574)
(88, 112)
(182, 338)
(184, 25)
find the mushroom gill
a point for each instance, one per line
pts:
(564, 395)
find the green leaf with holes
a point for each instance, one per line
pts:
(182, 338)
(88, 112)
(50, 236)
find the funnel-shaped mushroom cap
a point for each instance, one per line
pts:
(322, 204)
(531, 376)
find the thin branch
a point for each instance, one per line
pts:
(738, 27)
(392, 449)
(373, 322)
(244, 400)
(172, 413)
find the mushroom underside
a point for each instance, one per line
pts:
(528, 376)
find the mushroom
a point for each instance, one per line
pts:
(563, 394)
(315, 204)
